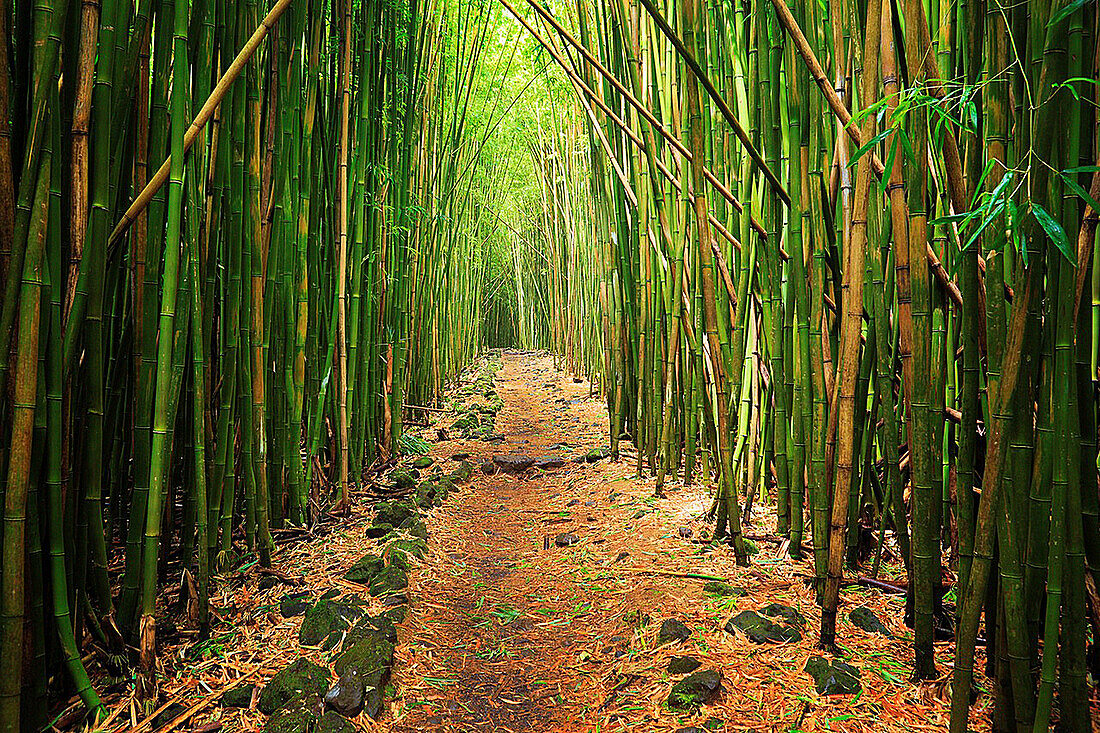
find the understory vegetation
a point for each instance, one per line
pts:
(835, 255)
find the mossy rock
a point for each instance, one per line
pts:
(396, 614)
(833, 677)
(372, 657)
(371, 626)
(788, 614)
(331, 641)
(695, 690)
(864, 618)
(723, 589)
(467, 423)
(364, 569)
(425, 495)
(297, 717)
(294, 604)
(238, 697)
(332, 722)
(370, 652)
(399, 559)
(413, 546)
(302, 677)
(423, 462)
(761, 630)
(463, 473)
(394, 512)
(378, 530)
(390, 580)
(415, 527)
(683, 665)
(326, 616)
(596, 454)
(405, 478)
(672, 630)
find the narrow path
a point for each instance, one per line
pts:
(509, 632)
(496, 610)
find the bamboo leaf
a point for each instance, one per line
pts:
(1067, 11)
(866, 147)
(1055, 231)
(1080, 191)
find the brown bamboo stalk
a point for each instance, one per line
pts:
(342, 250)
(851, 326)
(7, 188)
(82, 113)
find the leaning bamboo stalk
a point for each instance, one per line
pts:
(717, 99)
(984, 538)
(202, 117)
(677, 144)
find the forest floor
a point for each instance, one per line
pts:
(507, 631)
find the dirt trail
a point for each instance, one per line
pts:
(509, 632)
(496, 610)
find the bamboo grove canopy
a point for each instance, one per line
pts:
(837, 255)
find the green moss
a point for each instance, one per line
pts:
(425, 495)
(396, 614)
(390, 580)
(415, 527)
(303, 677)
(377, 531)
(369, 627)
(405, 479)
(412, 546)
(721, 588)
(364, 569)
(332, 722)
(394, 512)
(239, 697)
(695, 690)
(372, 657)
(326, 616)
(296, 719)
(596, 454)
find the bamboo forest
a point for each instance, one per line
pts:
(549, 365)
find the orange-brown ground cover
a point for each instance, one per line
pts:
(507, 634)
